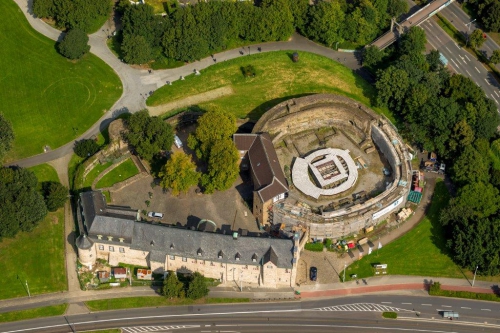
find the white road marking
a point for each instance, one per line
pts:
(362, 307)
(485, 309)
(386, 302)
(454, 14)
(438, 38)
(405, 303)
(496, 93)
(464, 307)
(446, 306)
(477, 69)
(468, 72)
(457, 45)
(138, 329)
(467, 57)
(494, 98)
(454, 62)
(487, 82)
(427, 304)
(448, 49)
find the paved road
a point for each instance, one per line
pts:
(459, 19)
(414, 20)
(339, 315)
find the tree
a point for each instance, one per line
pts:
(172, 287)
(396, 8)
(136, 50)
(22, 206)
(197, 287)
(222, 167)
(476, 38)
(215, 125)
(495, 57)
(470, 167)
(413, 42)
(55, 195)
(6, 136)
(491, 19)
(392, 85)
(326, 21)
(74, 44)
(372, 56)
(179, 174)
(481, 199)
(43, 8)
(149, 135)
(86, 148)
(433, 58)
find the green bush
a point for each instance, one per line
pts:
(316, 247)
(86, 147)
(74, 44)
(435, 290)
(392, 315)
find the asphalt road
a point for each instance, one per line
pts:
(352, 314)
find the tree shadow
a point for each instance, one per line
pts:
(192, 222)
(439, 200)
(256, 113)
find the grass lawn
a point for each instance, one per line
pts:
(124, 171)
(421, 251)
(36, 257)
(153, 301)
(44, 173)
(46, 311)
(92, 175)
(49, 99)
(277, 79)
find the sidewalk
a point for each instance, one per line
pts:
(391, 283)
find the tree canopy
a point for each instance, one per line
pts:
(149, 135)
(6, 136)
(172, 287)
(86, 147)
(222, 167)
(179, 173)
(55, 194)
(197, 287)
(22, 205)
(476, 39)
(74, 44)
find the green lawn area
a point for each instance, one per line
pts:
(92, 175)
(124, 171)
(277, 79)
(44, 173)
(46, 311)
(153, 301)
(420, 252)
(49, 99)
(36, 257)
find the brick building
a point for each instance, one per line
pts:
(114, 233)
(258, 155)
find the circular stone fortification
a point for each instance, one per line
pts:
(333, 171)
(361, 148)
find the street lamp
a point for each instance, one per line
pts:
(468, 31)
(28, 289)
(474, 279)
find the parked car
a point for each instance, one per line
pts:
(177, 141)
(155, 214)
(313, 273)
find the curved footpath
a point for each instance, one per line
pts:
(138, 82)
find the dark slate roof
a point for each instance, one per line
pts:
(271, 256)
(244, 141)
(269, 180)
(83, 242)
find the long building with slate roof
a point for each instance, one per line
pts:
(114, 233)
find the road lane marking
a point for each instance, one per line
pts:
(457, 45)
(438, 38)
(477, 69)
(496, 93)
(446, 306)
(427, 304)
(487, 82)
(485, 309)
(406, 303)
(386, 302)
(494, 98)
(468, 72)
(448, 49)
(454, 14)
(467, 57)
(454, 62)
(464, 307)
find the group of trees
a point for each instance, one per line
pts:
(193, 32)
(73, 14)
(6, 136)
(488, 13)
(194, 288)
(23, 206)
(149, 135)
(451, 115)
(86, 148)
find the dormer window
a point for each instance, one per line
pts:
(199, 252)
(121, 239)
(237, 256)
(221, 254)
(171, 246)
(152, 243)
(99, 236)
(110, 238)
(254, 257)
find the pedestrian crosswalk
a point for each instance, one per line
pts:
(144, 329)
(361, 307)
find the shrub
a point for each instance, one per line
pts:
(248, 71)
(197, 287)
(74, 44)
(86, 147)
(392, 315)
(55, 195)
(435, 290)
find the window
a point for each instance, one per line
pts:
(110, 238)
(101, 247)
(121, 239)
(270, 266)
(99, 236)
(111, 249)
(184, 259)
(172, 257)
(122, 250)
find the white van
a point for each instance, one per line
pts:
(155, 214)
(178, 142)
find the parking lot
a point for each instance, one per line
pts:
(329, 267)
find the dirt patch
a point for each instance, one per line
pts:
(191, 100)
(54, 219)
